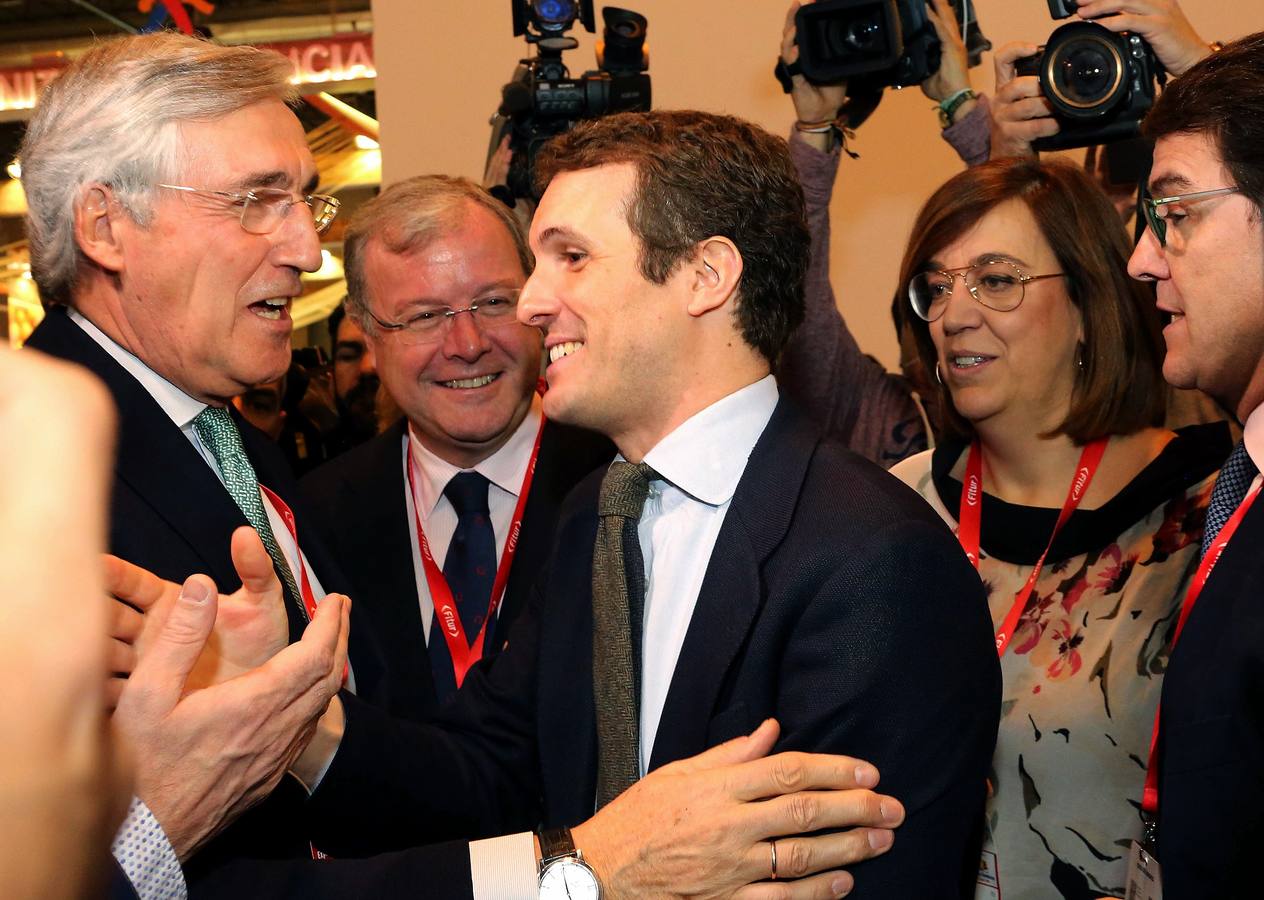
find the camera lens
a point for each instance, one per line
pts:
(844, 36)
(554, 12)
(1084, 74)
(863, 34)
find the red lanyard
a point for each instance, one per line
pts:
(463, 653)
(1150, 797)
(969, 517)
(287, 516)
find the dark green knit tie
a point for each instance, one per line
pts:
(218, 432)
(618, 589)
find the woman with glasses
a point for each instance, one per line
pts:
(1081, 512)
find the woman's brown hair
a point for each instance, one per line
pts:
(1121, 388)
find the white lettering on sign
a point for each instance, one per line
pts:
(333, 59)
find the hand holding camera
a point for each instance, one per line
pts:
(953, 73)
(812, 102)
(1161, 22)
(1020, 113)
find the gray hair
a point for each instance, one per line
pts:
(113, 117)
(411, 214)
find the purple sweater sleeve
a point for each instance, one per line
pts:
(851, 395)
(971, 135)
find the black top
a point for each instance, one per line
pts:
(1019, 534)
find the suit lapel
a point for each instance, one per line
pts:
(567, 718)
(380, 505)
(154, 458)
(731, 597)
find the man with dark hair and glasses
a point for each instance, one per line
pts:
(422, 516)
(1204, 250)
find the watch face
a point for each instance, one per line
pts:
(568, 879)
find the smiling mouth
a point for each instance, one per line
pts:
(466, 384)
(273, 308)
(557, 351)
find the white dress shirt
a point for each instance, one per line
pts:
(700, 463)
(505, 469)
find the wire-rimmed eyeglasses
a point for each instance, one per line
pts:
(1157, 210)
(263, 209)
(431, 323)
(997, 284)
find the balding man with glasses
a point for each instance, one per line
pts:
(422, 517)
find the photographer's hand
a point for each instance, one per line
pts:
(953, 74)
(1020, 112)
(812, 102)
(1161, 22)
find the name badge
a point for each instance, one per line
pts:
(1145, 879)
(988, 884)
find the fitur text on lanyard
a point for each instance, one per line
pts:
(970, 516)
(1150, 797)
(464, 653)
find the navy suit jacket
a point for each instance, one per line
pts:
(358, 501)
(834, 600)
(170, 514)
(1211, 745)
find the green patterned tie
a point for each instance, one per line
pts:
(218, 433)
(618, 597)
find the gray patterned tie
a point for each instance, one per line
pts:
(218, 432)
(1231, 486)
(618, 588)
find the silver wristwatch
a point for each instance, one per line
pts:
(563, 873)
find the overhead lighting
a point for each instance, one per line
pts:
(364, 142)
(14, 168)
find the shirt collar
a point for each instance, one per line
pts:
(706, 456)
(506, 468)
(179, 406)
(1253, 436)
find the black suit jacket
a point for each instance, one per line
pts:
(835, 600)
(1211, 786)
(358, 500)
(170, 514)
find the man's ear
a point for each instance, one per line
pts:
(717, 271)
(97, 219)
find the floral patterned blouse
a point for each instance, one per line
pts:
(1083, 671)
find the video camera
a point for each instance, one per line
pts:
(877, 43)
(542, 100)
(1099, 83)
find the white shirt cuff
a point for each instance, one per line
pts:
(147, 857)
(504, 868)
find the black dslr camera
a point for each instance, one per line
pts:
(542, 100)
(1099, 83)
(875, 44)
